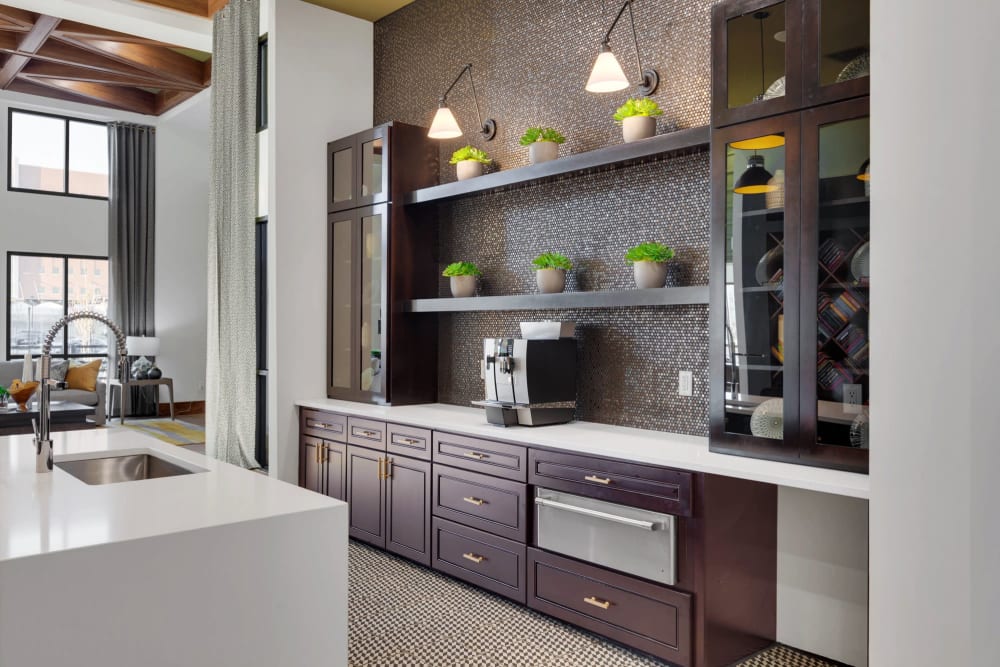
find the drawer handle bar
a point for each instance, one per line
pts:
(599, 480)
(475, 501)
(474, 558)
(368, 434)
(409, 441)
(603, 604)
(327, 427)
(597, 514)
(476, 455)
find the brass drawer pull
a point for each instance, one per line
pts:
(409, 441)
(325, 456)
(321, 425)
(476, 455)
(475, 501)
(367, 434)
(599, 480)
(603, 604)
(474, 558)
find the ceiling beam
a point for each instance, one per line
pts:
(196, 7)
(129, 99)
(168, 99)
(17, 16)
(22, 85)
(84, 31)
(60, 52)
(52, 70)
(164, 63)
(28, 45)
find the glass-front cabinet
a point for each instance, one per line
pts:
(358, 170)
(789, 285)
(771, 58)
(358, 326)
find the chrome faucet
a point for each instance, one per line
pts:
(43, 440)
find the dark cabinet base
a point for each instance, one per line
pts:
(488, 561)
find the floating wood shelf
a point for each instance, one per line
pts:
(612, 157)
(664, 296)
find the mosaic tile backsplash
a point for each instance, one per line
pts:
(531, 60)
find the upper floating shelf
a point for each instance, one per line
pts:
(611, 157)
(663, 296)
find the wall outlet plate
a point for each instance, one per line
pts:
(853, 398)
(685, 383)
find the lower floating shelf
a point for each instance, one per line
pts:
(664, 296)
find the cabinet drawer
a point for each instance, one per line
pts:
(485, 560)
(366, 433)
(408, 441)
(651, 618)
(325, 425)
(493, 458)
(648, 487)
(497, 506)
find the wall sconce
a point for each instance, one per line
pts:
(864, 173)
(444, 125)
(607, 74)
(754, 181)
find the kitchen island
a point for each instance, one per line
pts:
(215, 566)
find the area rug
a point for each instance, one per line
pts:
(169, 430)
(405, 615)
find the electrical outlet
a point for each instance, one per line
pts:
(482, 369)
(685, 383)
(852, 398)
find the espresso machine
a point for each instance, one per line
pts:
(529, 382)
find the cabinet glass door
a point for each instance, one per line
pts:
(341, 301)
(373, 298)
(372, 167)
(342, 175)
(836, 347)
(837, 52)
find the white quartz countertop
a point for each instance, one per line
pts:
(629, 444)
(52, 512)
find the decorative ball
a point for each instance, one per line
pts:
(767, 420)
(154, 373)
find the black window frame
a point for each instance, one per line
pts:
(65, 295)
(10, 147)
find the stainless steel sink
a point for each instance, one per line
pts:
(126, 468)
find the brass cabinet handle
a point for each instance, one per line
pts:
(367, 434)
(476, 455)
(474, 558)
(388, 468)
(380, 469)
(599, 480)
(316, 454)
(322, 425)
(326, 453)
(474, 501)
(409, 441)
(603, 604)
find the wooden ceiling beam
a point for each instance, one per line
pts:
(28, 45)
(52, 70)
(196, 7)
(168, 99)
(22, 85)
(17, 16)
(163, 62)
(56, 51)
(129, 99)
(72, 29)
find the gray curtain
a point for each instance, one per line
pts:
(132, 240)
(230, 402)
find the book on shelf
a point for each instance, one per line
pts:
(831, 255)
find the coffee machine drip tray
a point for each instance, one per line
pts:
(535, 414)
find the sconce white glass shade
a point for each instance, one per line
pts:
(607, 75)
(444, 125)
(141, 346)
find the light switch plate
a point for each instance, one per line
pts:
(685, 383)
(853, 397)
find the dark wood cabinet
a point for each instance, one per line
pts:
(408, 508)
(366, 495)
(377, 261)
(324, 466)
(494, 563)
(498, 506)
(789, 288)
(770, 58)
(499, 459)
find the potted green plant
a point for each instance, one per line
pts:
(649, 263)
(463, 278)
(469, 162)
(543, 144)
(3, 397)
(637, 118)
(550, 272)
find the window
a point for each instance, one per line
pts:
(57, 155)
(35, 303)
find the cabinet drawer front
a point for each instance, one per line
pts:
(325, 425)
(408, 441)
(482, 559)
(493, 458)
(366, 433)
(495, 505)
(648, 487)
(636, 613)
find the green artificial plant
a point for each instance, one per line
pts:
(642, 106)
(534, 134)
(552, 260)
(469, 153)
(461, 269)
(649, 252)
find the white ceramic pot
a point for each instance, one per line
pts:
(649, 274)
(550, 281)
(469, 169)
(542, 151)
(635, 128)
(462, 286)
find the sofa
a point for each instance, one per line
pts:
(11, 370)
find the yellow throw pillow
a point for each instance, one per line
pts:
(84, 376)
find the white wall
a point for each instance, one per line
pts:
(935, 534)
(182, 183)
(321, 89)
(31, 222)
